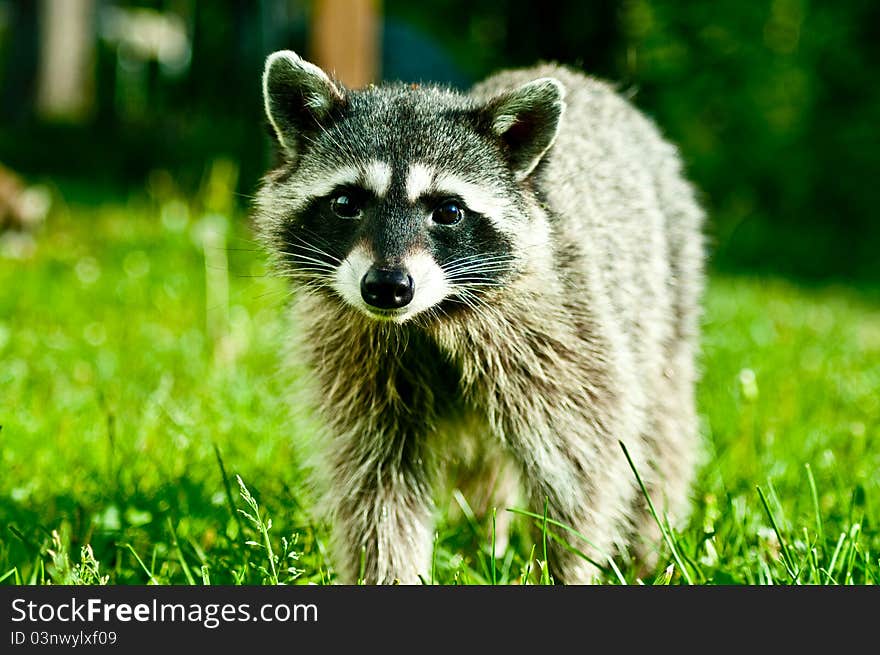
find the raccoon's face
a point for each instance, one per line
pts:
(400, 200)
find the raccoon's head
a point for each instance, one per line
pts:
(400, 200)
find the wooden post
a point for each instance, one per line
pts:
(346, 40)
(66, 79)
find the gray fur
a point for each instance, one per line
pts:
(582, 334)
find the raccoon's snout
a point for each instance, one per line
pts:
(387, 288)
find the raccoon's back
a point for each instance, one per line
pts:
(621, 210)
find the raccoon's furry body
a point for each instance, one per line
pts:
(558, 313)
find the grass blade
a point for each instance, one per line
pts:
(137, 558)
(11, 572)
(262, 527)
(545, 570)
(434, 558)
(787, 560)
(492, 554)
(819, 528)
(666, 536)
(527, 573)
(837, 550)
(548, 521)
(183, 565)
(228, 487)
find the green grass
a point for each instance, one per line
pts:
(140, 374)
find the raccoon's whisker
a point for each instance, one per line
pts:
(306, 272)
(424, 318)
(299, 249)
(475, 285)
(474, 302)
(486, 275)
(308, 260)
(303, 265)
(311, 258)
(312, 247)
(309, 284)
(309, 271)
(476, 280)
(451, 270)
(480, 313)
(308, 244)
(477, 276)
(477, 257)
(474, 257)
(298, 257)
(499, 265)
(475, 272)
(474, 260)
(312, 283)
(330, 247)
(471, 294)
(310, 287)
(466, 301)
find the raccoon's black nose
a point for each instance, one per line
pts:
(387, 288)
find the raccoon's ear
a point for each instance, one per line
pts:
(526, 120)
(297, 96)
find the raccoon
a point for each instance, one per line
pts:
(505, 281)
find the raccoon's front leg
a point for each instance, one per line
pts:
(591, 504)
(381, 506)
(586, 483)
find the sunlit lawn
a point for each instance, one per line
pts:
(140, 346)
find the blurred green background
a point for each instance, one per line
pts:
(774, 103)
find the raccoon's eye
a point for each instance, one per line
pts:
(345, 206)
(448, 213)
